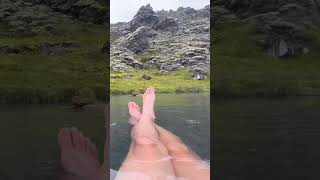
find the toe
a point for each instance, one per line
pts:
(64, 138)
(147, 91)
(151, 89)
(76, 138)
(135, 106)
(131, 105)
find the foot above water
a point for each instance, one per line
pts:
(149, 98)
(134, 113)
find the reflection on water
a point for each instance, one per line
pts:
(28, 138)
(265, 139)
(187, 115)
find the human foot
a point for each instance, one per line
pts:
(144, 127)
(149, 98)
(134, 113)
(78, 155)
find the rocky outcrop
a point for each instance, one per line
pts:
(285, 28)
(165, 40)
(122, 59)
(43, 48)
(56, 48)
(32, 16)
(86, 10)
(166, 23)
(137, 41)
(27, 17)
(144, 17)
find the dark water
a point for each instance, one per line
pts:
(28, 142)
(260, 139)
(187, 115)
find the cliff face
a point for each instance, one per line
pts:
(286, 27)
(166, 40)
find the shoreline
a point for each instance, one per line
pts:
(214, 97)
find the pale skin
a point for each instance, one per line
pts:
(147, 157)
(185, 162)
(154, 153)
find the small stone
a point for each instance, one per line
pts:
(146, 77)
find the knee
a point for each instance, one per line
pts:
(178, 149)
(144, 141)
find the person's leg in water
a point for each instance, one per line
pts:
(147, 157)
(185, 162)
(79, 156)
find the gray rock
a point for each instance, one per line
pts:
(127, 76)
(137, 41)
(144, 17)
(167, 45)
(199, 74)
(56, 48)
(292, 21)
(146, 77)
(166, 24)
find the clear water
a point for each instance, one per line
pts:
(186, 115)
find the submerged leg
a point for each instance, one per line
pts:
(185, 162)
(147, 157)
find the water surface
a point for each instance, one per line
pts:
(265, 139)
(28, 138)
(186, 115)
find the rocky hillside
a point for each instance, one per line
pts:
(51, 49)
(284, 28)
(266, 47)
(164, 40)
(34, 14)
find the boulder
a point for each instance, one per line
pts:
(16, 49)
(199, 74)
(56, 48)
(166, 23)
(136, 41)
(145, 77)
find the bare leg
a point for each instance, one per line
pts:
(185, 162)
(147, 157)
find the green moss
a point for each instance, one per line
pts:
(240, 68)
(177, 82)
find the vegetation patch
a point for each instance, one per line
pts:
(176, 82)
(241, 68)
(38, 78)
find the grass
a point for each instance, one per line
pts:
(240, 68)
(35, 78)
(178, 82)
